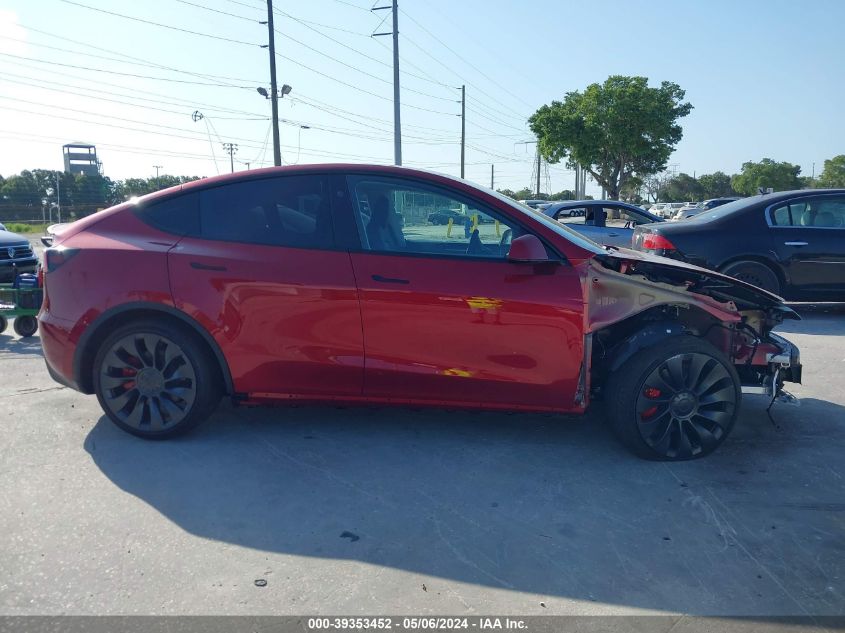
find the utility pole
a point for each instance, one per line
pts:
(158, 182)
(463, 126)
(492, 176)
(397, 124)
(274, 95)
(59, 196)
(231, 148)
(538, 170)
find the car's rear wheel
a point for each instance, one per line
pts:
(754, 273)
(155, 379)
(675, 401)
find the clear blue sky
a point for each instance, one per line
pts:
(767, 79)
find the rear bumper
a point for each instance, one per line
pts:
(59, 348)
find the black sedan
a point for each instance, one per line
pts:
(791, 243)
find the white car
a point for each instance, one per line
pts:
(658, 209)
(687, 211)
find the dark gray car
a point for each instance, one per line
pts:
(16, 256)
(604, 221)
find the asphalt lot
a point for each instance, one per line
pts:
(357, 511)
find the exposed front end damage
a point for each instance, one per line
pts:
(634, 301)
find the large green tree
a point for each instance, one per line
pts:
(767, 173)
(833, 174)
(716, 185)
(682, 188)
(616, 130)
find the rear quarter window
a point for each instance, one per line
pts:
(179, 215)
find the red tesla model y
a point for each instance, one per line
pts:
(331, 283)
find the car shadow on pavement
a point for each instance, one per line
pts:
(12, 345)
(530, 503)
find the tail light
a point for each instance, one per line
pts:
(656, 242)
(57, 256)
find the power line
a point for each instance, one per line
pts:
(306, 23)
(468, 63)
(489, 118)
(159, 24)
(233, 15)
(167, 101)
(115, 72)
(126, 103)
(359, 89)
(135, 59)
(356, 69)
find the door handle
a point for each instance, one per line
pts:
(389, 280)
(795, 243)
(613, 234)
(201, 266)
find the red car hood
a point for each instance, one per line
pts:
(698, 280)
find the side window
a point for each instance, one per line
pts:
(569, 215)
(826, 212)
(787, 215)
(284, 211)
(622, 218)
(401, 216)
(179, 215)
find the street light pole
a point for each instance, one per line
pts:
(463, 126)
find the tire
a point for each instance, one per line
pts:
(4, 323)
(755, 273)
(155, 379)
(25, 326)
(675, 401)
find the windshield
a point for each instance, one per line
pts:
(721, 211)
(560, 229)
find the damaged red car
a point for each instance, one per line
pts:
(327, 283)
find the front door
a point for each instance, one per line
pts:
(262, 274)
(447, 319)
(808, 235)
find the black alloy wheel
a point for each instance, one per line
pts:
(155, 381)
(675, 401)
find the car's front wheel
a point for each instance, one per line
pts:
(155, 379)
(675, 401)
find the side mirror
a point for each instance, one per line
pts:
(527, 248)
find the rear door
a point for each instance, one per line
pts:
(808, 236)
(447, 319)
(261, 271)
